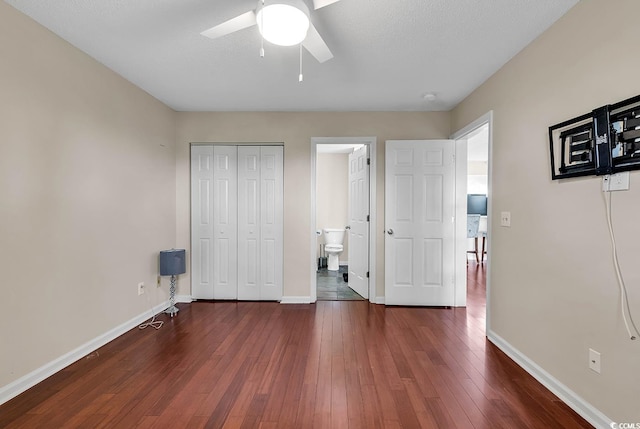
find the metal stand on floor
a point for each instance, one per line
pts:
(172, 298)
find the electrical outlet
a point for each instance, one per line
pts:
(616, 182)
(505, 218)
(619, 181)
(594, 360)
(140, 288)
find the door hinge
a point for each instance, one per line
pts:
(367, 274)
(368, 218)
(368, 161)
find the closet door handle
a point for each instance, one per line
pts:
(390, 231)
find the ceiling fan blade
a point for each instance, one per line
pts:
(240, 22)
(317, 4)
(316, 46)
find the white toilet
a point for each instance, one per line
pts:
(333, 239)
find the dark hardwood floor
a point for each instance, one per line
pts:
(342, 364)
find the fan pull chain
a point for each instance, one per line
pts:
(261, 36)
(300, 77)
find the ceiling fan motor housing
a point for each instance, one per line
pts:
(283, 22)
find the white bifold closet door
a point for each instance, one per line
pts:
(236, 222)
(260, 226)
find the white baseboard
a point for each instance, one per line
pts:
(295, 300)
(15, 388)
(184, 298)
(568, 396)
(378, 300)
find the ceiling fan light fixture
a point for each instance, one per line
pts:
(284, 23)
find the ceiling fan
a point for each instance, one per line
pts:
(281, 22)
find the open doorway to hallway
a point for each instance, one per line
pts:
(478, 191)
(478, 194)
(475, 140)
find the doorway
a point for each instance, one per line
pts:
(477, 190)
(340, 208)
(475, 140)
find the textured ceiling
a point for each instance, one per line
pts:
(387, 54)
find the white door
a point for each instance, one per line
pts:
(213, 222)
(271, 222)
(237, 222)
(419, 222)
(248, 222)
(260, 222)
(225, 222)
(359, 222)
(202, 221)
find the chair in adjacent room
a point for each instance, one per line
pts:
(482, 232)
(473, 224)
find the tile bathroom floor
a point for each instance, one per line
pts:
(331, 286)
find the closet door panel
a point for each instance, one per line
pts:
(271, 222)
(202, 221)
(248, 222)
(225, 222)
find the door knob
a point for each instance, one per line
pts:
(390, 231)
(347, 227)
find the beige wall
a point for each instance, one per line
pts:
(295, 130)
(555, 296)
(87, 185)
(332, 197)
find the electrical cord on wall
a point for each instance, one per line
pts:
(157, 324)
(624, 301)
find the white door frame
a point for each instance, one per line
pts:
(371, 143)
(461, 140)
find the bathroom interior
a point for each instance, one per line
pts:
(332, 217)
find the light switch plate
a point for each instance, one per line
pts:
(594, 360)
(505, 218)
